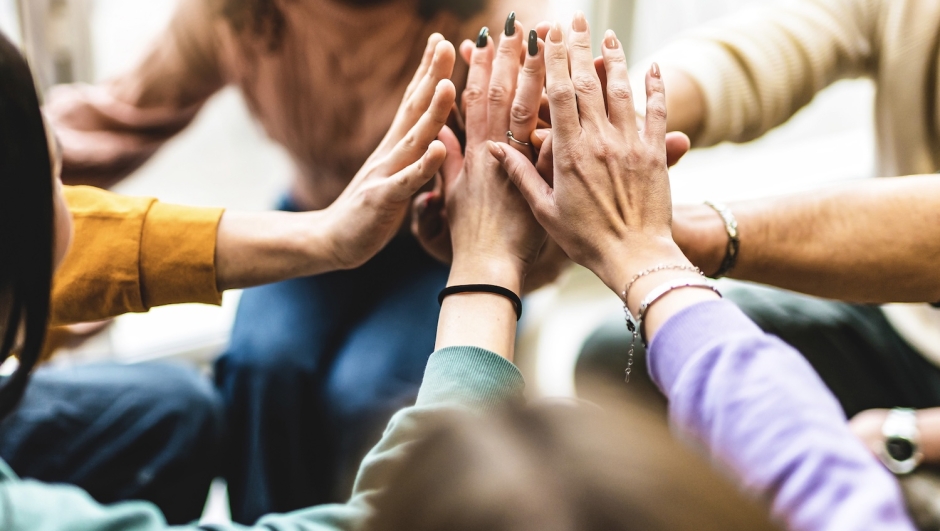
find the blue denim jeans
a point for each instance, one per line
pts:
(316, 368)
(121, 432)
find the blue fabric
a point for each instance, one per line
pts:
(121, 432)
(316, 368)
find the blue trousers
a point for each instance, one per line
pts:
(121, 432)
(316, 368)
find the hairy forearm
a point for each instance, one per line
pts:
(254, 248)
(877, 241)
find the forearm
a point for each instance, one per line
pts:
(875, 241)
(254, 248)
(481, 320)
(761, 410)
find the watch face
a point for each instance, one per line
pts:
(899, 449)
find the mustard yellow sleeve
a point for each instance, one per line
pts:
(130, 254)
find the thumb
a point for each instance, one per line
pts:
(677, 145)
(523, 174)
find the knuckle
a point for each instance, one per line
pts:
(581, 45)
(521, 113)
(473, 94)
(498, 94)
(619, 90)
(656, 111)
(585, 84)
(561, 93)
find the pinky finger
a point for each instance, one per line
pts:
(408, 181)
(654, 132)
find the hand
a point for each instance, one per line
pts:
(494, 235)
(609, 206)
(372, 207)
(867, 427)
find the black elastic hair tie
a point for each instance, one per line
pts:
(483, 288)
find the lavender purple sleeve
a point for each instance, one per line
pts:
(761, 411)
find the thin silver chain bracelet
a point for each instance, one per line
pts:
(632, 325)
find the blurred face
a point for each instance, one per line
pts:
(63, 217)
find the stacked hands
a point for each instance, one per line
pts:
(594, 187)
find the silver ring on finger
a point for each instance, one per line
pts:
(512, 138)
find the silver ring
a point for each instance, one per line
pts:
(513, 139)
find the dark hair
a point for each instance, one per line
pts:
(560, 468)
(26, 222)
(264, 19)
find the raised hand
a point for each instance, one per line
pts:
(490, 223)
(372, 207)
(609, 206)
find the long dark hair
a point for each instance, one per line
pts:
(26, 223)
(264, 19)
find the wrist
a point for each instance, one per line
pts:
(316, 242)
(622, 262)
(701, 235)
(470, 268)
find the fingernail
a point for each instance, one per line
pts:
(495, 149)
(579, 23)
(654, 71)
(610, 40)
(483, 38)
(533, 43)
(511, 24)
(555, 33)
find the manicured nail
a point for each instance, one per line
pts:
(579, 23)
(495, 149)
(533, 43)
(555, 33)
(610, 40)
(483, 38)
(511, 24)
(654, 71)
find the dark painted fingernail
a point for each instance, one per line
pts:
(533, 43)
(511, 24)
(484, 38)
(654, 70)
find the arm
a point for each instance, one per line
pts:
(107, 131)
(741, 76)
(753, 402)
(130, 254)
(816, 243)
(867, 426)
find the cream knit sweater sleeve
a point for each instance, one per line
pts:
(759, 66)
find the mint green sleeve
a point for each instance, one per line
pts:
(466, 378)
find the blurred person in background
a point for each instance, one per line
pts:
(131, 254)
(864, 244)
(316, 366)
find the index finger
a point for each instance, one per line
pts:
(561, 95)
(475, 93)
(413, 106)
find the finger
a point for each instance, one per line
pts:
(413, 107)
(466, 50)
(542, 29)
(475, 95)
(545, 165)
(602, 76)
(619, 95)
(524, 116)
(677, 145)
(583, 75)
(404, 184)
(537, 138)
(503, 81)
(425, 63)
(654, 133)
(428, 223)
(562, 100)
(416, 142)
(523, 174)
(453, 164)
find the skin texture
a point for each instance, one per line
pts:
(256, 248)
(495, 237)
(817, 243)
(609, 204)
